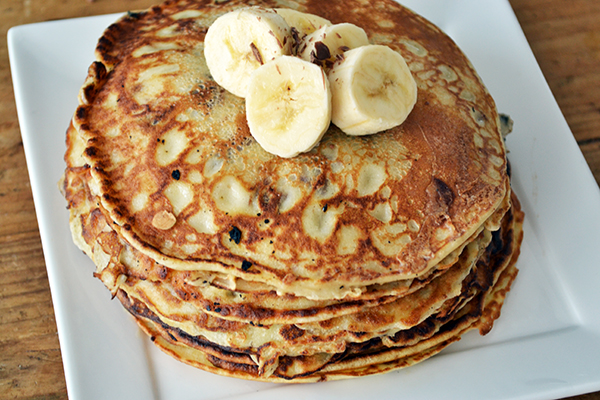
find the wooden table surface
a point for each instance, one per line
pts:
(564, 36)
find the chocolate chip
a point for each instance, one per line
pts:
(134, 15)
(256, 53)
(322, 51)
(446, 194)
(246, 265)
(176, 174)
(236, 235)
(295, 33)
(296, 40)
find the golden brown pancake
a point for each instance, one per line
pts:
(483, 297)
(302, 348)
(242, 301)
(176, 169)
(364, 255)
(189, 307)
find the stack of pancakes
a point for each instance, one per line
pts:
(364, 255)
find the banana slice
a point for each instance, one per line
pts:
(288, 106)
(372, 90)
(239, 42)
(326, 44)
(305, 23)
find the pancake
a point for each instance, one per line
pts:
(240, 300)
(176, 169)
(363, 255)
(374, 356)
(261, 346)
(166, 291)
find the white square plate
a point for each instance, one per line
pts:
(547, 342)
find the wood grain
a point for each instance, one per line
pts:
(564, 37)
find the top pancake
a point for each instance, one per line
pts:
(184, 182)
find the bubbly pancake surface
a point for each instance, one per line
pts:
(380, 338)
(178, 172)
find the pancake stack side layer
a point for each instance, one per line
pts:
(364, 255)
